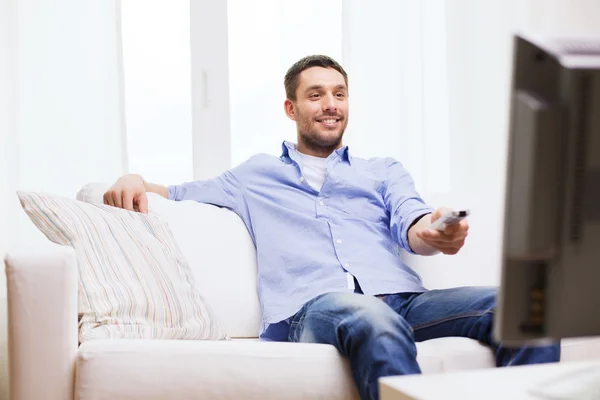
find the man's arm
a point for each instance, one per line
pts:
(159, 189)
(129, 192)
(416, 243)
(408, 212)
(410, 217)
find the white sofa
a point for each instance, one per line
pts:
(46, 362)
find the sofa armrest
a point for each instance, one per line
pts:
(42, 322)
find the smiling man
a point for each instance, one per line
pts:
(327, 227)
(320, 129)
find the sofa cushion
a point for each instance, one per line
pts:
(246, 369)
(219, 251)
(252, 369)
(241, 369)
(453, 354)
(134, 281)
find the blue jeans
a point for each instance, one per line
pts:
(378, 334)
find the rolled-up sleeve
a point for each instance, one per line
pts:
(222, 191)
(403, 202)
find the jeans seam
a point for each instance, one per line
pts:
(452, 318)
(513, 356)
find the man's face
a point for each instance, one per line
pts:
(320, 109)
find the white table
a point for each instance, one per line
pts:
(514, 383)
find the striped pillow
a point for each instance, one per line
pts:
(133, 280)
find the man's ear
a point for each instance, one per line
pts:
(290, 109)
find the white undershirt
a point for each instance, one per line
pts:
(313, 170)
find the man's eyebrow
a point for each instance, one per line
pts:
(314, 87)
(318, 87)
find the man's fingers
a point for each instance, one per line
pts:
(445, 243)
(462, 226)
(437, 236)
(108, 199)
(143, 203)
(451, 229)
(448, 244)
(127, 200)
(116, 199)
(451, 252)
(438, 244)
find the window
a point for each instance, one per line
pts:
(156, 68)
(265, 38)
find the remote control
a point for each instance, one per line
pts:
(451, 218)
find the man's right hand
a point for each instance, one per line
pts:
(129, 192)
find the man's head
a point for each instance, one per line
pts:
(316, 88)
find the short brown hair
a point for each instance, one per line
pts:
(291, 77)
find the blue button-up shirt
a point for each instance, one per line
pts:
(308, 241)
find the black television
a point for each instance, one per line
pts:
(550, 274)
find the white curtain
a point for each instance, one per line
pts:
(60, 111)
(64, 120)
(6, 142)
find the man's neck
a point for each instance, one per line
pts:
(320, 152)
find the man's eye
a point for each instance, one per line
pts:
(314, 95)
(341, 95)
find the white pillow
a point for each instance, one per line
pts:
(219, 250)
(134, 281)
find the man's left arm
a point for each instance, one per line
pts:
(410, 217)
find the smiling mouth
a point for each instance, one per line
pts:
(329, 121)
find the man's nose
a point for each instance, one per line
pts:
(329, 103)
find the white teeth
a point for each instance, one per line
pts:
(329, 121)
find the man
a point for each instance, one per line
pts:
(327, 227)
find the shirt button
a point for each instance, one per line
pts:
(339, 241)
(301, 179)
(347, 265)
(321, 203)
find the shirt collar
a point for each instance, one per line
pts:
(289, 151)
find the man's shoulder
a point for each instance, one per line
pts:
(262, 159)
(374, 164)
(258, 163)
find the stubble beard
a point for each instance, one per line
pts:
(316, 142)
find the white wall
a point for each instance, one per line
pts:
(413, 72)
(396, 61)
(579, 17)
(479, 61)
(60, 111)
